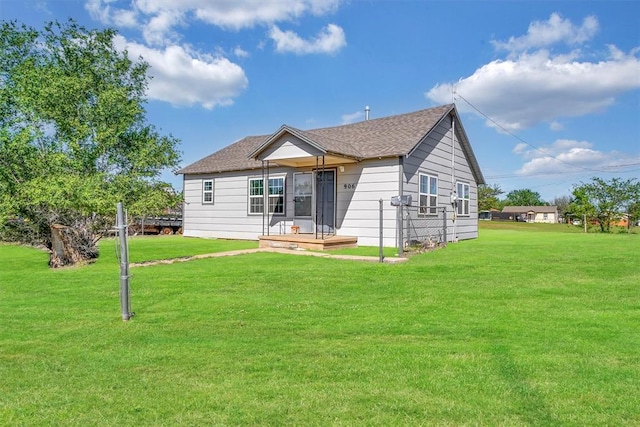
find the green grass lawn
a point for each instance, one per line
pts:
(516, 328)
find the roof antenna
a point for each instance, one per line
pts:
(366, 112)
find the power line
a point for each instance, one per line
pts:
(507, 131)
(546, 153)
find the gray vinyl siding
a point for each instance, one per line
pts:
(360, 186)
(228, 217)
(287, 147)
(358, 206)
(433, 157)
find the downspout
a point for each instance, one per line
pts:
(263, 197)
(453, 177)
(400, 209)
(265, 192)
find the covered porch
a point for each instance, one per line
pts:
(307, 241)
(312, 194)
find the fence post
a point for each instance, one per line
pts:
(381, 254)
(444, 224)
(408, 231)
(121, 225)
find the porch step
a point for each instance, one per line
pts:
(307, 241)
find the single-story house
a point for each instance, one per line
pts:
(329, 181)
(494, 215)
(546, 214)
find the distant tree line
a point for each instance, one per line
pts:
(603, 201)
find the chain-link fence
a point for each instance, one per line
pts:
(424, 230)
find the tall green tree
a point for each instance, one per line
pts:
(488, 197)
(524, 197)
(606, 201)
(562, 203)
(74, 139)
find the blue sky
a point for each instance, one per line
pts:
(549, 92)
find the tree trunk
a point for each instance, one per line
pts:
(70, 246)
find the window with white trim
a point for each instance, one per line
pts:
(207, 191)
(275, 195)
(462, 190)
(428, 194)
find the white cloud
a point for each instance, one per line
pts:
(564, 156)
(520, 148)
(159, 28)
(547, 33)
(352, 117)
(540, 87)
(238, 14)
(158, 18)
(330, 40)
(240, 53)
(556, 126)
(102, 11)
(183, 77)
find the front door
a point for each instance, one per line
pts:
(325, 201)
(303, 201)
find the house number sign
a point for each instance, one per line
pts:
(349, 186)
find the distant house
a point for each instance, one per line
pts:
(329, 181)
(494, 215)
(545, 214)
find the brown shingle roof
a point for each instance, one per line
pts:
(387, 136)
(383, 137)
(231, 158)
(524, 209)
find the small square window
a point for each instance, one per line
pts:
(207, 191)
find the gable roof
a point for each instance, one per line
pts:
(383, 137)
(536, 209)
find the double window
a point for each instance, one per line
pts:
(463, 198)
(207, 191)
(428, 194)
(275, 195)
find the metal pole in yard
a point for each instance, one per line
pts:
(124, 263)
(381, 231)
(444, 224)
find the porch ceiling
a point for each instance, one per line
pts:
(302, 162)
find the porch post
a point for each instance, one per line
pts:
(400, 214)
(315, 199)
(324, 177)
(265, 195)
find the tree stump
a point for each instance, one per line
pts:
(70, 246)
